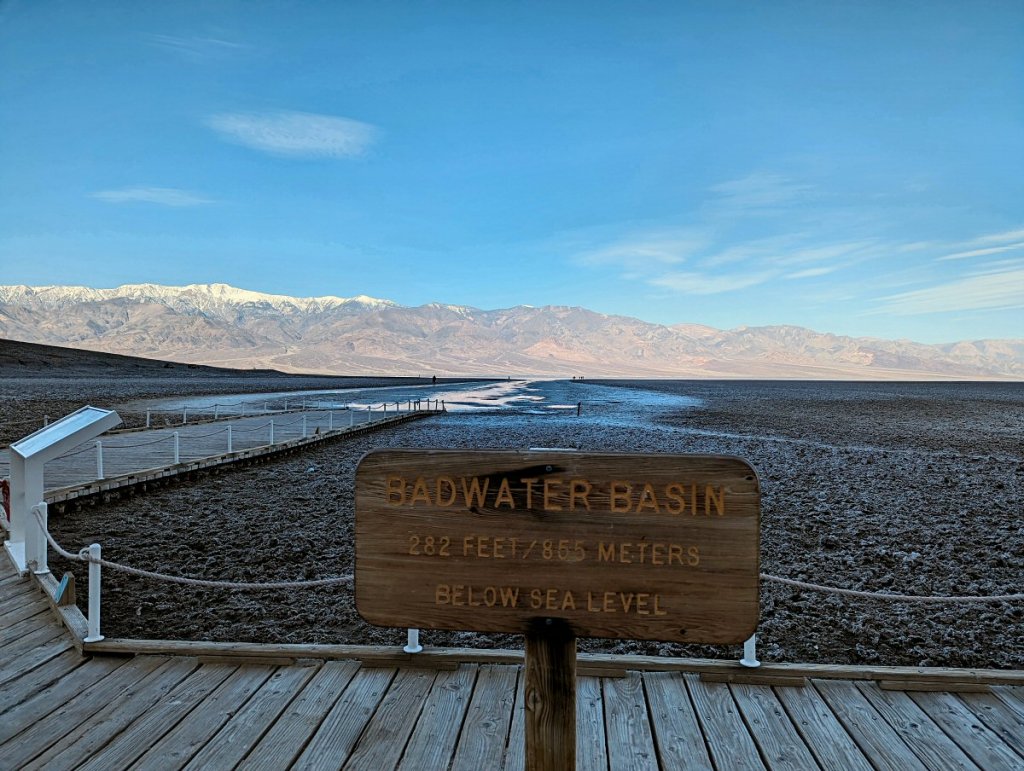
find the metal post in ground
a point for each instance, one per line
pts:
(750, 652)
(99, 459)
(216, 411)
(147, 418)
(177, 449)
(385, 410)
(230, 450)
(413, 642)
(35, 538)
(46, 420)
(94, 594)
(303, 426)
(184, 415)
(271, 432)
(330, 420)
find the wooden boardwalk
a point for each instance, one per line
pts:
(129, 452)
(60, 710)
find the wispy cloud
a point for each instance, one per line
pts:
(164, 196)
(195, 47)
(759, 191)
(707, 283)
(996, 290)
(999, 238)
(295, 134)
(813, 272)
(645, 251)
(983, 252)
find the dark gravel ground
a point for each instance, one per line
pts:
(911, 488)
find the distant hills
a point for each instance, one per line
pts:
(220, 325)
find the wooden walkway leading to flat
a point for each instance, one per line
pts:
(59, 709)
(129, 452)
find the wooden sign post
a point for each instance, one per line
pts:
(558, 545)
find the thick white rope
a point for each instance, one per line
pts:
(888, 596)
(83, 556)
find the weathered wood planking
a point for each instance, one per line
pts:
(976, 739)
(434, 738)
(774, 733)
(920, 733)
(660, 547)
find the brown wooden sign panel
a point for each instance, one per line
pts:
(654, 547)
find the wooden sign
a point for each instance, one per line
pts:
(655, 547)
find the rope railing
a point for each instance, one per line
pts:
(92, 555)
(891, 597)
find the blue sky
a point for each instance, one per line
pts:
(852, 167)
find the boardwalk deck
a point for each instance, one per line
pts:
(137, 455)
(60, 710)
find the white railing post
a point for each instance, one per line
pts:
(303, 402)
(46, 420)
(264, 406)
(184, 415)
(330, 420)
(271, 432)
(230, 450)
(94, 594)
(443, 407)
(750, 652)
(413, 642)
(35, 538)
(147, 418)
(303, 426)
(216, 411)
(385, 410)
(241, 409)
(351, 417)
(286, 405)
(410, 405)
(177, 449)
(99, 459)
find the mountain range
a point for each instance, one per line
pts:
(224, 326)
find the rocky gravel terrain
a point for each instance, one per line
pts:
(904, 488)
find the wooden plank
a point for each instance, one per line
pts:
(150, 726)
(33, 634)
(591, 742)
(31, 682)
(780, 743)
(74, 708)
(489, 540)
(998, 716)
(333, 741)
(918, 685)
(92, 734)
(824, 734)
(17, 595)
(290, 732)
(977, 740)
(729, 743)
(677, 734)
(26, 662)
(628, 730)
(1012, 696)
(486, 727)
(432, 743)
(19, 629)
(176, 747)
(609, 660)
(515, 752)
(243, 729)
(876, 738)
(749, 677)
(25, 611)
(383, 741)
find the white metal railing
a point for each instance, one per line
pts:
(302, 426)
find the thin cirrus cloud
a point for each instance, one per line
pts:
(295, 134)
(704, 283)
(163, 196)
(195, 47)
(983, 252)
(996, 290)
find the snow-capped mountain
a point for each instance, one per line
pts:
(222, 325)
